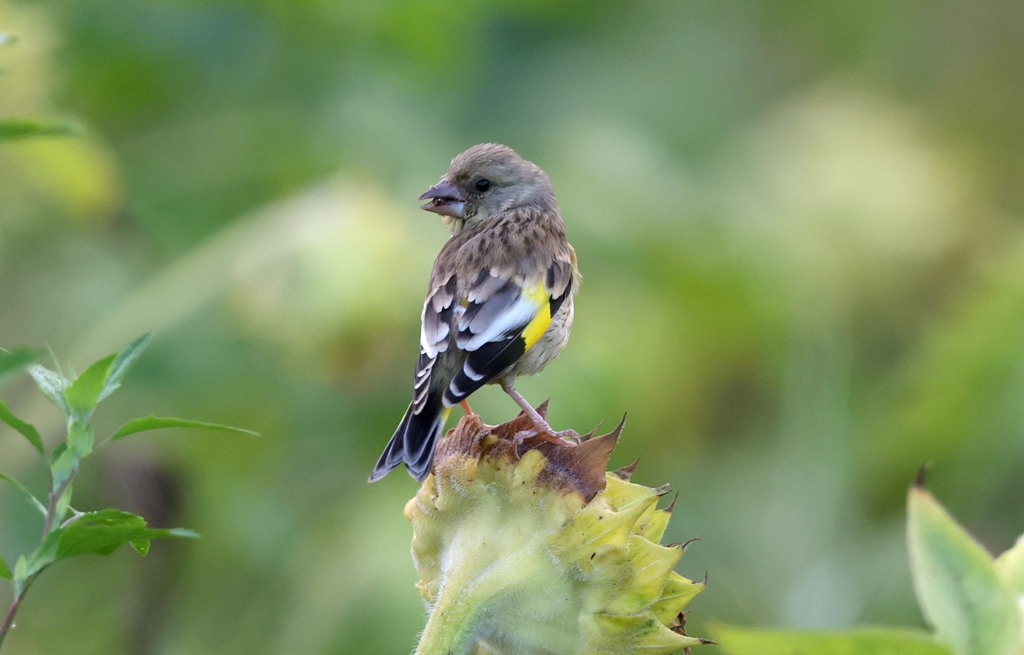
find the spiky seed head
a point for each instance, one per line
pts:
(526, 546)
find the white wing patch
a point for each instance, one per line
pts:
(497, 319)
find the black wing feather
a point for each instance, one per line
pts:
(483, 364)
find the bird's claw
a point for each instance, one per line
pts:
(545, 432)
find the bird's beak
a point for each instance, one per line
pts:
(445, 199)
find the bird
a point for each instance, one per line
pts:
(500, 299)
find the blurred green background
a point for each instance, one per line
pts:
(801, 227)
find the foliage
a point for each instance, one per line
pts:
(13, 361)
(971, 607)
(68, 532)
(974, 603)
(20, 128)
(861, 641)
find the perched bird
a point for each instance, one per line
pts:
(499, 303)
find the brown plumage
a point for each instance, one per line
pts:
(499, 302)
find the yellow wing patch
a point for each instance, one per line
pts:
(536, 328)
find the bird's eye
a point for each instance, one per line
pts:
(483, 184)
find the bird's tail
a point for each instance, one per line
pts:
(413, 442)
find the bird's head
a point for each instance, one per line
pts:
(485, 182)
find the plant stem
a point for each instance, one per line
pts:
(51, 513)
(448, 628)
(51, 508)
(9, 618)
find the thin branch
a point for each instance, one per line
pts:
(9, 618)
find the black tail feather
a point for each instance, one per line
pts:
(413, 442)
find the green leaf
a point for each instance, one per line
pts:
(35, 502)
(960, 592)
(5, 572)
(36, 562)
(99, 533)
(56, 453)
(1010, 566)
(60, 510)
(63, 464)
(52, 384)
(862, 641)
(21, 128)
(156, 423)
(20, 573)
(102, 532)
(123, 363)
(7, 39)
(17, 359)
(26, 429)
(84, 392)
(80, 439)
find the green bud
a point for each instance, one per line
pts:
(526, 546)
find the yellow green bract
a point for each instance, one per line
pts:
(526, 546)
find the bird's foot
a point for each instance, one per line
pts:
(542, 429)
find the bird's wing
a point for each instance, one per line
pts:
(435, 331)
(501, 317)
